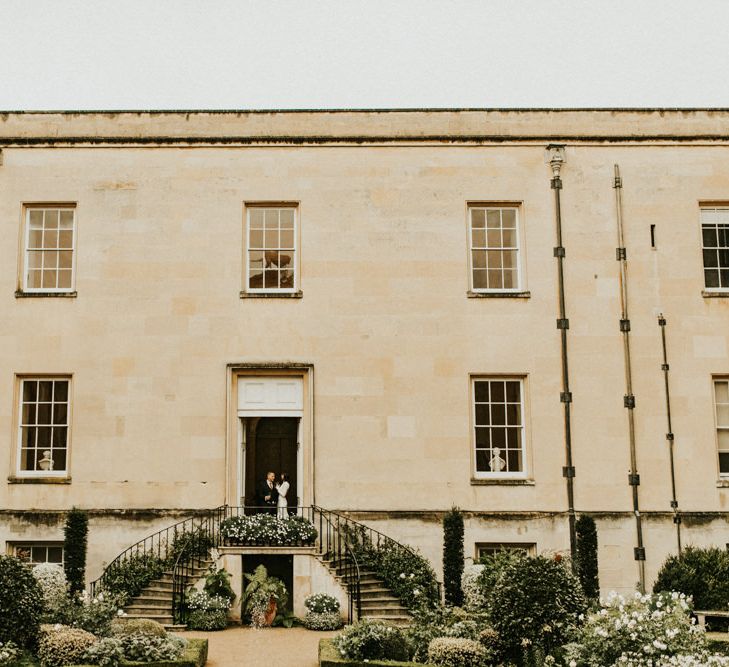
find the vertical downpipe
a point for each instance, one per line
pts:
(629, 398)
(556, 160)
(669, 435)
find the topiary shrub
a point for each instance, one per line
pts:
(216, 619)
(372, 640)
(428, 624)
(106, 652)
(21, 603)
(75, 534)
(60, 645)
(456, 652)
(535, 603)
(322, 620)
(453, 557)
(586, 556)
(121, 627)
(702, 573)
(139, 647)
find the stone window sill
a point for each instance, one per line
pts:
(499, 295)
(711, 294)
(13, 479)
(20, 294)
(723, 484)
(272, 295)
(501, 482)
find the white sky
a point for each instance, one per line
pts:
(245, 54)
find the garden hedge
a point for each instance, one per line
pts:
(329, 657)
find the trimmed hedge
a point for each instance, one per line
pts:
(453, 560)
(586, 560)
(75, 535)
(329, 657)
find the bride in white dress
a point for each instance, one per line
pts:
(283, 489)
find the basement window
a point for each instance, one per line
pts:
(36, 553)
(492, 548)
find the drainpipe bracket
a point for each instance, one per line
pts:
(621, 253)
(559, 251)
(625, 326)
(629, 401)
(565, 397)
(563, 323)
(568, 471)
(669, 436)
(634, 479)
(639, 553)
(664, 367)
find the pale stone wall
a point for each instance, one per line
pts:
(384, 320)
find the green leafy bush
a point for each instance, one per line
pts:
(217, 584)
(700, 573)
(128, 577)
(640, 630)
(586, 557)
(474, 598)
(320, 603)
(431, 623)
(106, 652)
(140, 647)
(493, 568)
(216, 619)
(75, 534)
(259, 592)
(60, 645)
(323, 620)
(9, 653)
(268, 529)
(52, 581)
(535, 604)
(121, 627)
(453, 557)
(192, 544)
(21, 603)
(93, 614)
(372, 640)
(456, 652)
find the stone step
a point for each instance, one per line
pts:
(164, 619)
(157, 587)
(374, 591)
(147, 609)
(384, 602)
(175, 628)
(146, 601)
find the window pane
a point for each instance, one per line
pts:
(44, 413)
(510, 279)
(478, 218)
(724, 463)
(721, 390)
(36, 219)
(255, 279)
(30, 390)
(513, 414)
(724, 278)
(513, 392)
(255, 260)
(287, 239)
(256, 238)
(271, 218)
(284, 259)
(481, 389)
(45, 391)
(38, 554)
(287, 218)
(498, 437)
(478, 238)
(482, 414)
(28, 437)
(60, 413)
(50, 239)
(35, 238)
(722, 415)
(44, 436)
(508, 218)
(35, 259)
(711, 278)
(51, 219)
(271, 238)
(64, 259)
(66, 219)
(287, 279)
(479, 259)
(482, 437)
(513, 458)
(64, 278)
(59, 459)
(479, 279)
(493, 219)
(27, 459)
(255, 215)
(498, 414)
(65, 239)
(55, 554)
(722, 233)
(493, 238)
(493, 258)
(711, 258)
(495, 279)
(28, 414)
(508, 237)
(482, 460)
(23, 553)
(497, 391)
(49, 279)
(270, 278)
(709, 236)
(60, 390)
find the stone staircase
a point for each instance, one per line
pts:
(377, 601)
(155, 600)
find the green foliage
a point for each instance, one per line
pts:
(456, 652)
(701, 573)
(258, 593)
(21, 603)
(323, 620)
(106, 652)
(453, 557)
(372, 640)
(121, 627)
(320, 603)
(146, 648)
(75, 534)
(52, 581)
(494, 566)
(217, 584)
(405, 572)
(190, 544)
(60, 645)
(431, 623)
(128, 577)
(284, 620)
(535, 603)
(586, 557)
(9, 653)
(199, 619)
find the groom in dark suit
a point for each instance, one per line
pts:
(267, 494)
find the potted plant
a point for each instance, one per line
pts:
(263, 597)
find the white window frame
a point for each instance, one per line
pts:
(14, 546)
(65, 473)
(530, 548)
(717, 427)
(480, 474)
(711, 207)
(27, 208)
(247, 249)
(486, 206)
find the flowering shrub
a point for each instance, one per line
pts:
(371, 640)
(128, 577)
(52, 581)
(203, 601)
(106, 652)
(268, 529)
(639, 630)
(323, 620)
(429, 624)
(121, 627)
(60, 645)
(9, 653)
(262, 595)
(474, 598)
(217, 583)
(93, 614)
(321, 602)
(534, 606)
(216, 619)
(21, 603)
(139, 647)
(456, 652)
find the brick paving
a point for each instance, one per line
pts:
(270, 647)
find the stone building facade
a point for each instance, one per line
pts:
(368, 300)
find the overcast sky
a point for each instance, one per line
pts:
(247, 54)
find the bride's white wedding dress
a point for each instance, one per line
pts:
(283, 504)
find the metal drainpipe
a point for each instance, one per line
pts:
(669, 434)
(629, 398)
(557, 159)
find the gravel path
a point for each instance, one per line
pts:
(245, 647)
